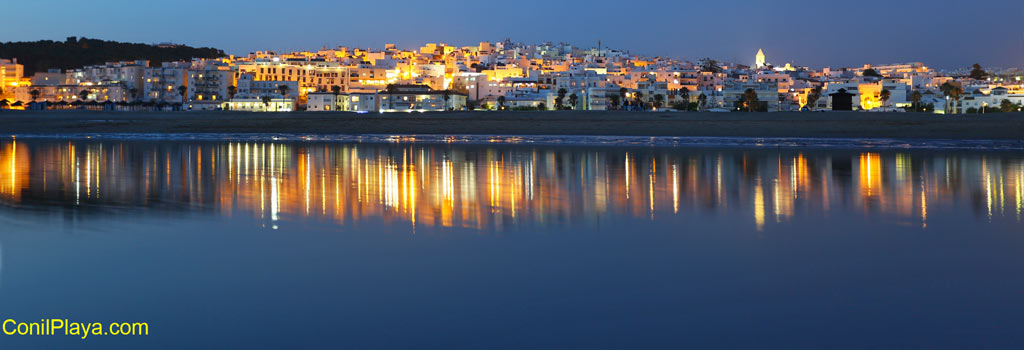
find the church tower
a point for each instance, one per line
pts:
(759, 60)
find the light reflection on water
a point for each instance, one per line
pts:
(332, 244)
(498, 188)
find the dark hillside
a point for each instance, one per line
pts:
(38, 56)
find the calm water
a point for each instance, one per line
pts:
(264, 244)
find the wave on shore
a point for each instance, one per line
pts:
(566, 140)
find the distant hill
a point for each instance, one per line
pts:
(38, 56)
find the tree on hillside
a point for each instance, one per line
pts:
(38, 56)
(871, 72)
(977, 73)
(709, 65)
(813, 97)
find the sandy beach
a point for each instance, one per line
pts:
(999, 126)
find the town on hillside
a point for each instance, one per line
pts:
(503, 76)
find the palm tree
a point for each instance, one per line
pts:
(501, 102)
(134, 93)
(915, 99)
(542, 107)
(702, 100)
(283, 90)
(560, 99)
(952, 93)
(885, 95)
(266, 101)
(390, 89)
(658, 99)
(750, 100)
(573, 100)
(614, 101)
(83, 95)
(232, 90)
(638, 98)
(183, 91)
(447, 96)
(336, 89)
(684, 94)
(35, 94)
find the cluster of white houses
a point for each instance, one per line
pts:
(508, 75)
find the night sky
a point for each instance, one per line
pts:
(943, 33)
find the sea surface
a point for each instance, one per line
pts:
(399, 242)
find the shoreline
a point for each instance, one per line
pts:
(564, 140)
(809, 125)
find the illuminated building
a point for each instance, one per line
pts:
(10, 73)
(258, 104)
(207, 87)
(420, 98)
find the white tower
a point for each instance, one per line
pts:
(759, 60)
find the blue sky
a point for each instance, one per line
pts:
(941, 33)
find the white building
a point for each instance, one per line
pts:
(262, 104)
(161, 83)
(208, 87)
(249, 87)
(127, 74)
(993, 99)
(324, 102)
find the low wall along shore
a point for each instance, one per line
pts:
(617, 123)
